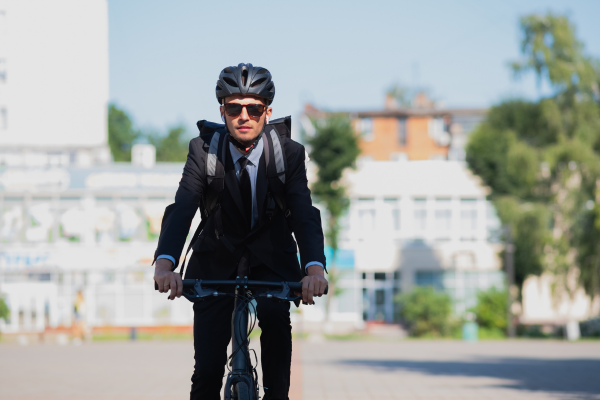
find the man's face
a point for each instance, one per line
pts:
(243, 127)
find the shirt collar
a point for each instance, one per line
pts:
(253, 157)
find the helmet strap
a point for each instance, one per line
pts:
(246, 149)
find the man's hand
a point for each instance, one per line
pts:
(166, 279)
(314, 284)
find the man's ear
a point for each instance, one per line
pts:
(222, 115)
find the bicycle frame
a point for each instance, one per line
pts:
(241, 383)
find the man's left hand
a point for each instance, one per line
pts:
(314, 284)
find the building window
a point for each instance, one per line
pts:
(367, 219)
(366, 213)
(397, 275)
(379, 276)
(2, 70)
(365, 128)
(402, 134)
(396, 219)
(468, 219)
(395, 211)
(443, 218)
(420, 214)
(429, 279)
(3, 118)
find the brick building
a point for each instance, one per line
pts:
(420, 132)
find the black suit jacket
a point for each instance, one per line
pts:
(270, 242)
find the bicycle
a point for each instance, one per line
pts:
(242, 379)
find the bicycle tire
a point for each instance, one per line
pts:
(241, 391)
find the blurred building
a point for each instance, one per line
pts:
(421, 223)
(90, 230)
(77, 232)
(420, 132)
(53, 82)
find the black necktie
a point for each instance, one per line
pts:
(246, 189)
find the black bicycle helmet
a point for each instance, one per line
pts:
(245, 79)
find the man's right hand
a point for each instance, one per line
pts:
(167, 279)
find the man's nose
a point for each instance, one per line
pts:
(244, 114)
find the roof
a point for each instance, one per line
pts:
(400, 112)
(116, 176)
(414, 178)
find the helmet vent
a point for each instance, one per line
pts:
(228, 70)
(262, 71)
(258, 82)
(230, 81)
(244, 77)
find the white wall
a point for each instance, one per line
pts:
(56, 60)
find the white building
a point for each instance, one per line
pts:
(415, 223)
(53, 82)
(92, 230)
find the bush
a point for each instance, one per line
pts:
(428, 313)
(590, 328)
(490, 311)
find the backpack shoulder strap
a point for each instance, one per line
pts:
(276, 163)
(215, 178)
(215, 170)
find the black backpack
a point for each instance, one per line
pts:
(215, 174)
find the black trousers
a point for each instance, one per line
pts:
(212, 333)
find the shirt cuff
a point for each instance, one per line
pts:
(167, 257)
(313, 263)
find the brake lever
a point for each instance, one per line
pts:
(198, 293)
(285, 294)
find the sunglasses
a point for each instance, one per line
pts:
(235, 109)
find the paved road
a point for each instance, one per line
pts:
(322, 371)
(451, 370)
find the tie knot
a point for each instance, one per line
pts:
(243, 162)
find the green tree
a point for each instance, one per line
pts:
(490, 311)
(334, 149)
(173, 147)
(121, 134)
(542, 159)
(4, 311)
(427, 312)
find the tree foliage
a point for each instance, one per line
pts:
(427, 312)
(121, 134)
(4, 311)
(172, 147)
(334, 149)
(542, 159)
(491, 310)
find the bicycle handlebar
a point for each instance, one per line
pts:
(197, 289)
(294, 286)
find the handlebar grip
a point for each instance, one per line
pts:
(297, 287)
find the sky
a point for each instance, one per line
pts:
(165, 57)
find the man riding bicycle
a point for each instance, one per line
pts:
(243, 234)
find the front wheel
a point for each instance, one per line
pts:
(241, 391)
